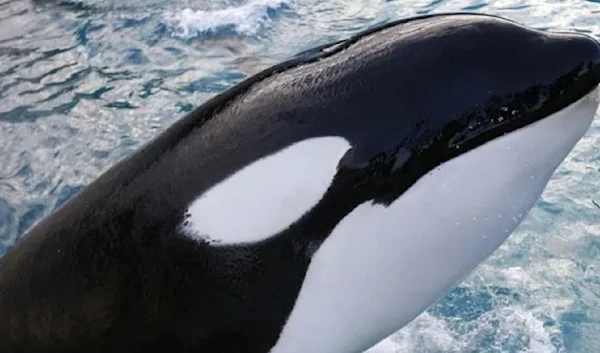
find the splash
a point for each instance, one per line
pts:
(247, 19)
(512, 328)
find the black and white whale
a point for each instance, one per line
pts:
(318, 206)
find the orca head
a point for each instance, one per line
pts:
(395, 102)
(502, 76)
(391, 164)
(462, 122)
(459, 81)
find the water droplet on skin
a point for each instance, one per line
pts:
(474, 218)
(500, 119)
(513, 112)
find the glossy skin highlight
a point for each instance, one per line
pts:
(112, 270)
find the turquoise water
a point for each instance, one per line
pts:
(83, 84)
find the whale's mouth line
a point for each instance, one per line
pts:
(441, 150)
(506, 118)
(592, 96)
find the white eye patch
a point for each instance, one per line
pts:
(268, 195)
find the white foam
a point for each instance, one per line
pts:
(513, 328)
(426, 334)
(246, 19)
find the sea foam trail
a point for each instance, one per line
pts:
(246, 19)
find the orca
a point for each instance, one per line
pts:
(318, 206)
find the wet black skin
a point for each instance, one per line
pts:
(110, 271)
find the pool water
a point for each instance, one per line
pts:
(82, 84)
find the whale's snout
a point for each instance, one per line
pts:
(579, 56)
(588, 49)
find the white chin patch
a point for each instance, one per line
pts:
(266, 196)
